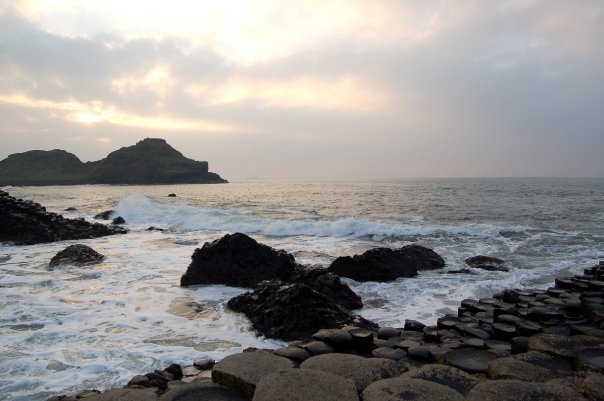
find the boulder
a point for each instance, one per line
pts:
(409, 389)
(386, 264)
(25, 223)
(105, 215)
(78, 255)
(362, 371)
(292, 311)
(304, 385)
(118, 220)
(487, 263)
(329, 285)
(242, 372)
(517, 390)
(449, 376)
(237, 260)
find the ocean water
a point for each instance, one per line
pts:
(75, 328)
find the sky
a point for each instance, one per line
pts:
(314, 89)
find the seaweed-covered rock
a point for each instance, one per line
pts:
(386, 264)
(78, 255)
(292, 311)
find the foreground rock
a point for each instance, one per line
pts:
(25, 223)
(295, 311)
(239, 261)
(508, 390)
(385, 264)
(409, 389)
(487, 263)
(78, 254)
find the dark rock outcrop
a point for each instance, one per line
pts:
(385, 264)
(292, 311)
(329, 285)
(78, 255)
(104, 215)
(25, 222)
(118, 220)
(487, 263)
(239, 261)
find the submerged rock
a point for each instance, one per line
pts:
(386, 264)
(25, 222)
(487, 263)
(237, 260)
(292, 311)
(78, 255)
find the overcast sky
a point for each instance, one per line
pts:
(312, 89)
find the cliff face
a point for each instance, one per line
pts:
(150, 161)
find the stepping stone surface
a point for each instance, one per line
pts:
(516, 390)
(469, 360)
(562, 346)
(241, 372)
(305, 385)
(203, 390)
(409, 389)
(449, 376)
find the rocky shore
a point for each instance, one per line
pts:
(518, 344)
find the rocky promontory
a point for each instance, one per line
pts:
(24, 222)
(150, 161)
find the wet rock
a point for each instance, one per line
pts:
(26, 223)
(292, 311)
(201, 390)
(78, 255)
(329, 285)
(305, 385)
(175, 370)
(449, 376)
(385, 264)
(296, 354)
(317, 348)
(106, 215)
(487, 263)
(362, 371)
(139, 380)
(242, 372)
(562, 346)
(70, 209)
(205, 364)
(517, 390)
(339, 339)
(409, 389)
(387, 332)
(469, 360)
(237, 260)
(413, 325)
(590, 359)
(118, 220)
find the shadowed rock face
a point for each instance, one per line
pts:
(26, 223)
(237, 260)
(78, 255)
(292, 311)
(385, 264)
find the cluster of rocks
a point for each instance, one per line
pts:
(518, 345)
(24, 222)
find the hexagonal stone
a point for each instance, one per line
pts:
(409, 389)
(514, 369)
(562, 346)
(469, 360)
(396, 354)
(449, 376)
(362, 371)
(294, 353)
(517, 390)
(305, 385)
(241, 372)
(201, 390)
(590, 359)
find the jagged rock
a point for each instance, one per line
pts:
(304, 385)
(385, 264)
(487, 263)
(449, 376)
(517, 390)
(329, 285)
(242, 372)
(362, 371)
(400, 389)
(118, 220)
(201, 390)
(237, 260)
(106, 215)
(25, 223)
(78, 255)
(292, 311)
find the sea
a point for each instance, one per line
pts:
(70, 328)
